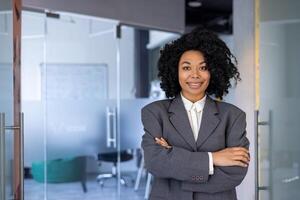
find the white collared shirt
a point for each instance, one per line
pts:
(198, 105)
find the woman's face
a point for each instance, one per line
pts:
(193, 75)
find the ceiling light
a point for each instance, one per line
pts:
(195, 4)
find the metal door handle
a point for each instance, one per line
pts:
(2, 155)
(111, 129)
(256, 136)
(3, 128)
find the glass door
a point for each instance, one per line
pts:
(85, 82)
(33, 48)
(138, 85)
(10, 126)
(70, 97)
(278, 118)
(79, 91)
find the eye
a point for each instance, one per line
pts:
(185, 68)
(203, 68)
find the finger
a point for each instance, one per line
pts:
(245, 155)
(241, 158)
(160, 143)
(158, 140)
(239, 163)
(238, 149)
(241, 153)
(164, 141)
(243, 149)
(164, 145)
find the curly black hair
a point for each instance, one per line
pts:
(221, 63)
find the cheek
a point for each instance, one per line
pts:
(206, 76)
(208, 79)
(182, 77)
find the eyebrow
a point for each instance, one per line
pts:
(187, 62)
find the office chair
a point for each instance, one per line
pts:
(61, 170)
(139, 176)
(113, 157)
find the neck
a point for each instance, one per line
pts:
(193, 98)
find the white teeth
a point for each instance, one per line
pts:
(194, 85)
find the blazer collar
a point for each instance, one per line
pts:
(180, 121)
(188, 104)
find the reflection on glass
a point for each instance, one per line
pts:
(79, 115)
(139, 85)
(279, 80)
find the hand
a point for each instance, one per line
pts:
(162, 142)
(232, 156)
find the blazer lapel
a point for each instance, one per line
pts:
(180, 121)
(209, 121)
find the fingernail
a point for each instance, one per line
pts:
(156, 138)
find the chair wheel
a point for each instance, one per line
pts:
(101, 183)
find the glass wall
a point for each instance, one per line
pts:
(279, 100)
(85, 80)
(138, 86)
(6, 99)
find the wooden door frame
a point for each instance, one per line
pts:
(18, 182)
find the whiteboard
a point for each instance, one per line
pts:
(74, 81)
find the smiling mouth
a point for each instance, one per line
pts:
(194, 85)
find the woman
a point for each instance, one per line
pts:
(194, 146)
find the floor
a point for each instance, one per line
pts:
(73, 191)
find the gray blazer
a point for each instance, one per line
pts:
(182, 172)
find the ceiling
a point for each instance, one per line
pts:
(215, 15)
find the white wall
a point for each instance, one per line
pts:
(244, 94)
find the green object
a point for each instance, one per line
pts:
(60, 170)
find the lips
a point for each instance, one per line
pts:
(194, 85)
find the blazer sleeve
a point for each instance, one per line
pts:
(226, 178)
(175, 163)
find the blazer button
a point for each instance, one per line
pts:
(201, 178)
(193, 178)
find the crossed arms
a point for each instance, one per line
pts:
(166, 161)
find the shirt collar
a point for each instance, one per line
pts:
(198, 104)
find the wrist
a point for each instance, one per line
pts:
(214, 157)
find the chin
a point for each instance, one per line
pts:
(196, 93)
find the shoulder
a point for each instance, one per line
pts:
(158, 106)
(229, 110)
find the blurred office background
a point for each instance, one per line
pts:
(89, 67)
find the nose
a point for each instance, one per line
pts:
(195, 73)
